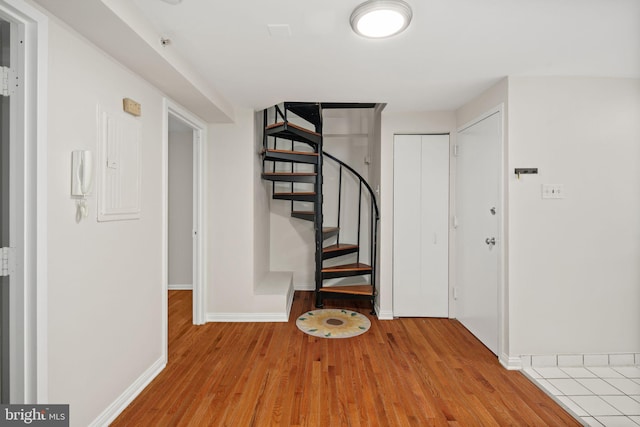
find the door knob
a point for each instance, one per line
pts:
(490, 241)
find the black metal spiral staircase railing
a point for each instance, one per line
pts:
(293, 157)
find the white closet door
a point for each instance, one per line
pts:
(421, 226)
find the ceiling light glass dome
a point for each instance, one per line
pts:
(381, 18)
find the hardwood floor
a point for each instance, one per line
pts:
(404, 372)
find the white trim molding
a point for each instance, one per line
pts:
(305, 287)
(510, 363)
(180, 287)
(170, 108)
(121, 403)
(384, 315)
(290, 301)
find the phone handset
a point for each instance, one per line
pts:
(85, 172)
(82, 172)
(81, 180)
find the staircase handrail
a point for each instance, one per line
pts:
(362, 180)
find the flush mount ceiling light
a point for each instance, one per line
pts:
(172, 1)
(381, 18)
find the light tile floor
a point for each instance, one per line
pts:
(596, 396)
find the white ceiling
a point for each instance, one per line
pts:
(453, 50)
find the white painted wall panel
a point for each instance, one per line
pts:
(118, 165)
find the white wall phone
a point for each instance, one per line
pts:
(81, 173)
(81, 180)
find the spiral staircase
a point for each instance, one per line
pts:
(294, 161)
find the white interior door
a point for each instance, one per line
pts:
(420, 226)
(477, 228)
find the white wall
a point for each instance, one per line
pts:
(238, 226)
(571, 265)
(230, 213)
(180, 207)
(574, 263)
(398, 123)
(104, 279)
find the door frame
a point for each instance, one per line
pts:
(30, 384)
(503, 294)
(177, 112)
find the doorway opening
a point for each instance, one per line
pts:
(186, 134)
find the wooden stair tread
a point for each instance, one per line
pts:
(329, 229)
(350, 289)
(303, 212)
(289, 124)
(338, 246)
(357, 266)
(303, 153)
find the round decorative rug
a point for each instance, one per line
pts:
(333, 323)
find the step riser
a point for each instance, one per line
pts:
(339, 252)
(345, 273)
(308, 112)
(306, 217)
(285, 131)
(338, 295)
(284, 178)
(329, 234)
(292, 158)
(295, 198)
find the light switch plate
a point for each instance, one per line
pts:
(553, 191)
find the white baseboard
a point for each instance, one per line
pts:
(255, 317)
(290, 301)
(180, 287)
(510, 363)
(247, 317)
(304, 287)
(121, 403)
(384, 315)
